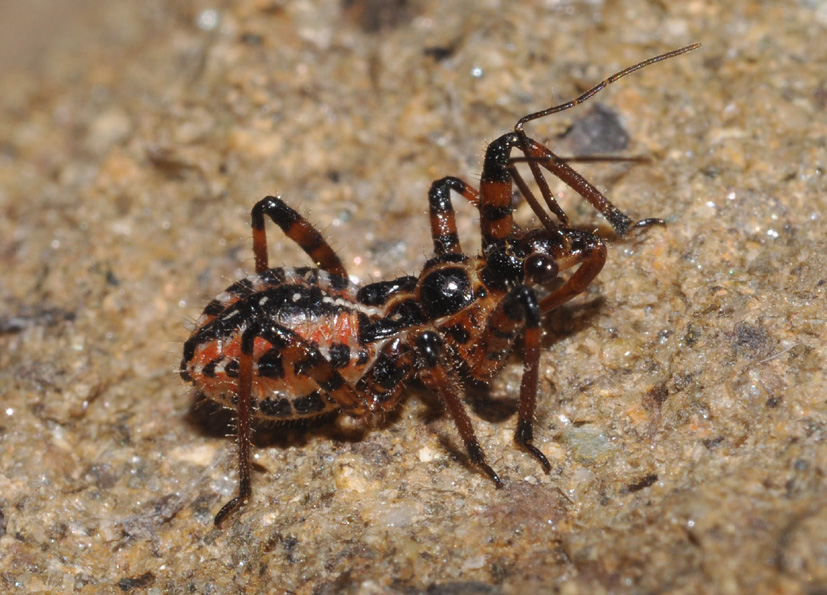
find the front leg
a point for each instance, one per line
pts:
(538, 155)
(575, 248)
(518, 310)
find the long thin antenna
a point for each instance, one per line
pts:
(597, 88)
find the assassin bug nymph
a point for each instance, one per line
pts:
(297, 343)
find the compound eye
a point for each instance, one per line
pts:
(540, 269)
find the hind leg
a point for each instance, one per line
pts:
(282, 351)
(437, 374)
(287, 350)
(298, 229)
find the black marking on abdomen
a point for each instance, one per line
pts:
(214, 308)
(312, 403)
(458, 333)
(279, 408)
(270, 365)
(332, 384)
(231, 368)
(339, 355)
(241, 288)
(290, 302)
(304, 366)
(209, 369)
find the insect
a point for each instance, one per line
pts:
(297, 343)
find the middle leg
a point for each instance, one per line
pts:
(537, 155)
(298, 229)
(443, 221)
(436, 375)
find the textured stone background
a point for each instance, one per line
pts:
(683, 396)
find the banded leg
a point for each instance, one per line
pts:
(499, 171)
(306, 360)
(443, 221)
(496, 212)
(519, 310)
(436, 376)
(298, 229)
(243, 427)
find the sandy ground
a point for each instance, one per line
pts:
(682, 396)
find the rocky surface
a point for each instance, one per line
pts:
(683, 395)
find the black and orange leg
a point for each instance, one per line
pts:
(495, 189)
(621, 221)
(496, 217)
(519, 310)
(496, 211)
(306, 360)
(443, 221)
(243, 425)
(436, 376)
(298, 229)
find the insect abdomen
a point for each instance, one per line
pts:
(321, 308)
